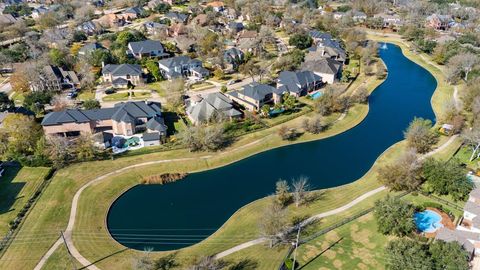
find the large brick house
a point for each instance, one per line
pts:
(122, 76)
(123, 119)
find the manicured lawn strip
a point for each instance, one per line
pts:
(157, 86)
(116, 96)
(201, 86)
(61, 260)
(85, 95)
(17, 186)
(464, 154)
(52, 210)
(259, 257)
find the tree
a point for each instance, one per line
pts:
(84, 148)
(208, 263)
(175, 90)
(419, 135)
(5, 103)
(289, 101)
(19, 81)
(446, 177)
(300, 40)
(449, 255)
(58, 57)
(249, 68)
(99, 56)
(273, 222)
(211, 138)
(405, 253)
(403, 173)
(461, 64)
(361, 95)
(91, 104)
(35, 101)
(162, 8)
(287, 133)
(471, 138)
(313, 125)
(22, 133)
(394, 216)
(282, 192)
(58, 151)
(166, 263)
(300, 189)
(152, 67)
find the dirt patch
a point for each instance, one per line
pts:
(330, 254)
(354, 227)
(340, 251)
(365, 218)
(311, 251)
(337, 263)
(362, 266)
(362, 237)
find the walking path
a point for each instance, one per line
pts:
(313, 218)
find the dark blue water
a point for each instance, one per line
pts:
(180, 214)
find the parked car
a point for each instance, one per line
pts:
(71, 95)
(109, 91)
(233, 81)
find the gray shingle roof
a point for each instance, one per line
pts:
(158, 124)
(121, 112)
(89, 48)
(324, 65)
(298, 80)
(178, 61)
(459, 236)
(146, 46)
(122, 70)
(257, 91)
(151, 136)
(211, 104)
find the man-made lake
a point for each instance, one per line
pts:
(172, 216)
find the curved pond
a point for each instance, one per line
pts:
(180, 214)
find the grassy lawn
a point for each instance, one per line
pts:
(463, 155)
(201, 86)
(17, 186)
(18, 98)
(355, 245)
(157, 86)
(116, 96)
(86, 95)
(141, 95)
(302, 108)
(51, 213)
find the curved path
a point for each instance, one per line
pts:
(85, 262)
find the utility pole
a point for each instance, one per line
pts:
(68, 251)
(296, 246)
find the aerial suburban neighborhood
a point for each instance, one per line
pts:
(208, 135)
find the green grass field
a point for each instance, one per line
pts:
(17, 186)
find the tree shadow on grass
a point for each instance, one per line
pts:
(8, 190)
(103, 258)
(322, 252)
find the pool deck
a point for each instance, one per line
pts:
(446, 222)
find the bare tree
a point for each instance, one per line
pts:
(403, 173)
(300, 189)
(208, 263)
(58, 150)
(461, 63)
(471, 137)
(273, 222)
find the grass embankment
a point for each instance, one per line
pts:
(17, 186)
(52, 210)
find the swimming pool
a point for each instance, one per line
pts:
(428, 221)
(316, 95)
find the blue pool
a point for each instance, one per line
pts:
(428, 221)
(316, 95)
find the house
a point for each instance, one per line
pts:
(200, 20)
(89, 48)
(233, 57)
(39, 11)
(146, 48)
(122, 76)
(133, 13)
(125, 118)
(218, 6)
(390, 20)
(254, 95)
(439, 22)
(7, 19)
(90, 28)
(203, 109)
(246, 40)
(328, 48)
(182, 66)
(327, 68)
(235, 27)
(177, 29)
(467, 233)
(358, 16)
(177, 17)
(154, 28)
(298, 83)
(151, 5)
(55, 78)
(320, 37)
(112, 20)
